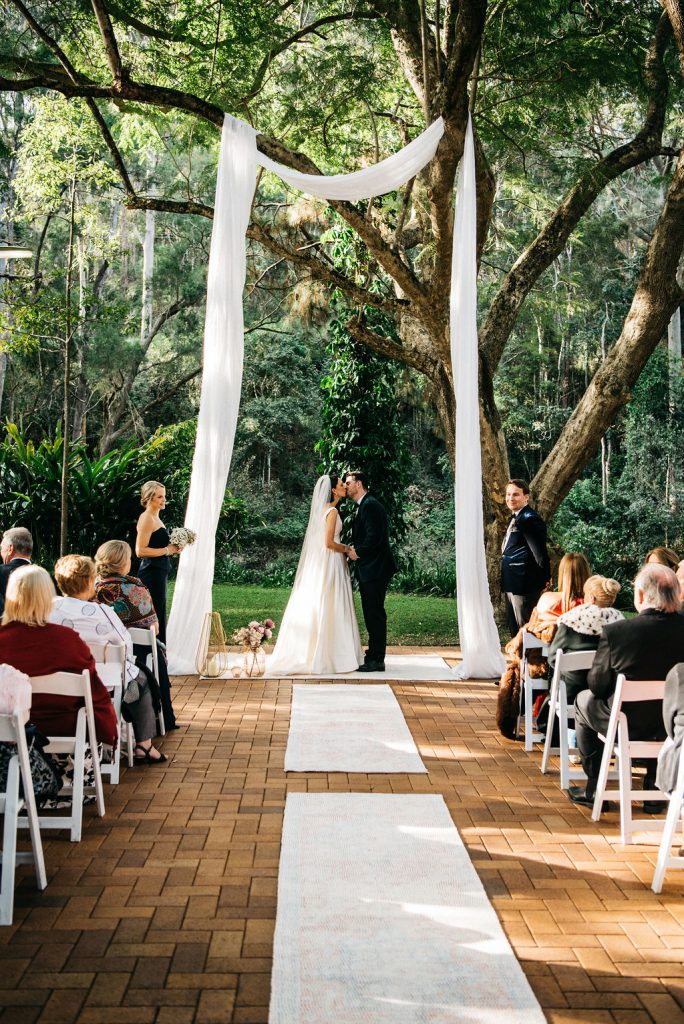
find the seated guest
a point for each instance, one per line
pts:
(75, 575)
(573, 573)
(580, 629)
(680, 576)
(38, 647)
(662, 556)
(645, 647)
(16, 549)
(132, 602)
(673, 719)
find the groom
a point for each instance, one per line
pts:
(375, 566)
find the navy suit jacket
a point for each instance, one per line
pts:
(371, 541)
(5, 573)
(525, 566)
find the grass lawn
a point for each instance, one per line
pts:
(412, 619)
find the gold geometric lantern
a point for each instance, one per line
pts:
(212, 651)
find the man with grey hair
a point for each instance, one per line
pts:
(16, 549)
(644, 647)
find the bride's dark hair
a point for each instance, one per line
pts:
(333, 484)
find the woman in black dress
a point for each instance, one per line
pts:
(153, 548)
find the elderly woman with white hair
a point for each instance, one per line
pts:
(132, 602)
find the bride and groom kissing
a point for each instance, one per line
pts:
(319, 634)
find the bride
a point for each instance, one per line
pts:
(319, 634)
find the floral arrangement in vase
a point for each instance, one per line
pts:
(251, 638)
(181, 536)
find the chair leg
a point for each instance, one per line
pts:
(563, 744)
(9, 843)
(34, 830)
(79, 770)
(625, 772)
(529, 705)
(550, 724)
(674, 812)
(129, 743)
(608, 746)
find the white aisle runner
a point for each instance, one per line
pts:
(349, 729)
(410, 668)
(382, 919)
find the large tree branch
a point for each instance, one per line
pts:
(323, 271)
(551, 240)
(311, 29)
(114, 435)
(109, 40)
(452, 101)
(406, 354)
(656, 298)
(675, 12)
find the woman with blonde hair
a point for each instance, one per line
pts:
(153, 547)
(132, 602)
(38, 647)
(75, 575)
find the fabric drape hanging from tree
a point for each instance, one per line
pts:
(222, 381)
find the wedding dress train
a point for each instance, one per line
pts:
(319, 634)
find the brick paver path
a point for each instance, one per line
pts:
(165, 911)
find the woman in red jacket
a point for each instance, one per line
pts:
(38, 647)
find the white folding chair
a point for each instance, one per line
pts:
(617, 744)
(69, 684)
(530, 688)
(673, 819)
(110, 661)
(573, 661)
(11, 803)
(146, 638)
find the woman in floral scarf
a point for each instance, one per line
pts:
(131, 601)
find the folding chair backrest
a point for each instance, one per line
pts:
(531, 642)
(106, 653)
(629, 690)
(573, 661)
(65, 684)
(142, 637)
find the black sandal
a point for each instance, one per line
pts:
(146, 758)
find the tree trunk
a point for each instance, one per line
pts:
(66, 441)
(147, 275)
(78, 425)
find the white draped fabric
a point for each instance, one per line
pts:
(220, 395)
(480, 646)
(222, 378)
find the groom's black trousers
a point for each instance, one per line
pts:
(373, 604)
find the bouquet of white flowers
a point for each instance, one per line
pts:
(182, 537)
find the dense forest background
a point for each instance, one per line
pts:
(120, 291)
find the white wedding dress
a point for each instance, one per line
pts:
(319, 634)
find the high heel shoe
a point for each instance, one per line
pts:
(145, 757)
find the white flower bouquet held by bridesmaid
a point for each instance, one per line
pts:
(181, 536)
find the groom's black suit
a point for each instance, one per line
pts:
(375, 567)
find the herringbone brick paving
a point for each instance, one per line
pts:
(165, 911)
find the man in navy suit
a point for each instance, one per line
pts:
(16, 549)
(525, 568)
(375, 566)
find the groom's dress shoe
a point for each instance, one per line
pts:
(372, 666)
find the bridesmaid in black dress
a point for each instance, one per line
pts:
(154, 548)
